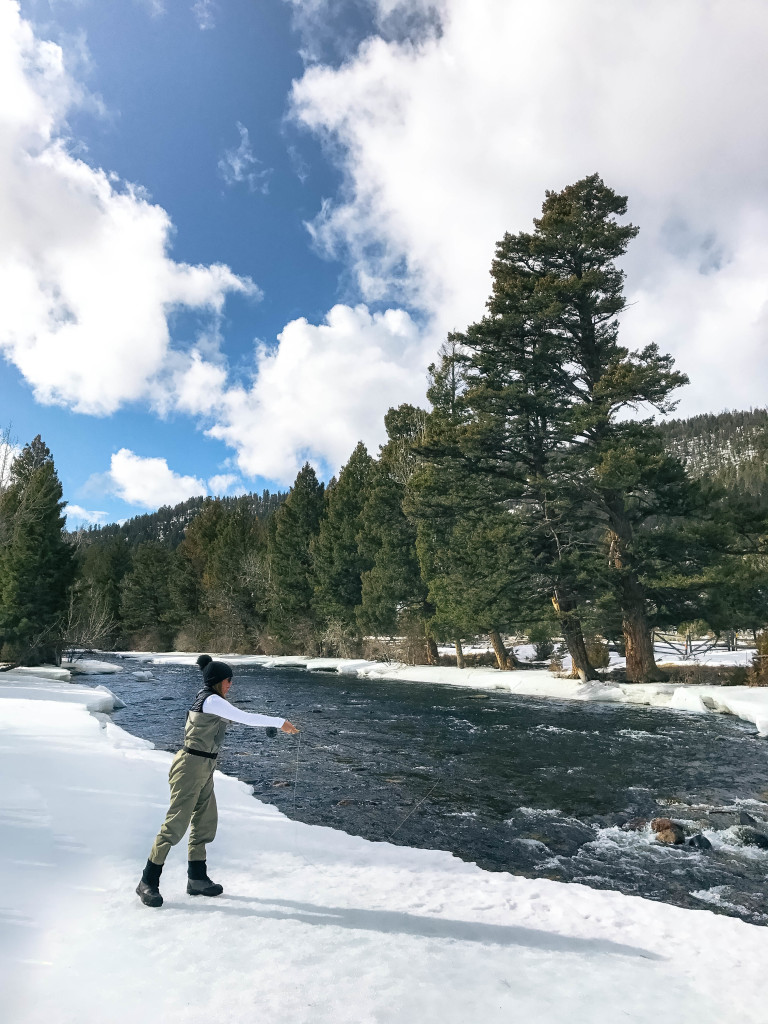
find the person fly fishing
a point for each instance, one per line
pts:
(193, 802)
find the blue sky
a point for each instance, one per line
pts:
(173, 97)
(236, 232)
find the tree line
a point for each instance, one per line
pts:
(537, 495)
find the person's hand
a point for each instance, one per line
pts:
(289, 728)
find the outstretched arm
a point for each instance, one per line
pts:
(215, 705)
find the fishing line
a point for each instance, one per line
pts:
(413, 811)
(296, 777)
(295, 786)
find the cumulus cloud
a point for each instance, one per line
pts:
(222, 483)
(150, 482)
(86, 279)
(79, 516)
(451, 141)
(240, 165)
(313, 396)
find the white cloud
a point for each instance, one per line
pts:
(86, 281)
(241, 165)
(8, 455)
(86, 285)
(451, 142)
(77, 516)
(446, 141)
(150, 482)
(203, 11)
(222, 483)
(323, 388)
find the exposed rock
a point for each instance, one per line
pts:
(751, 837)
(747, 819)
(661, 824)
(667, 831)
(700, 842)
(674, 836)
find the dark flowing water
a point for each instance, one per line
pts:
(535, 787)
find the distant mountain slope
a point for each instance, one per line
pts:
(728, 447)
(167, 525)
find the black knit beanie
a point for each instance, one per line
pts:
(216, 672)
(203, 661)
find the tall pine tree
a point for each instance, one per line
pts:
(466, 542)
(36, 562)
(338, 564)
(393, 600)
(292, 529)
(547, 388)
(146, 607)
(619, 475)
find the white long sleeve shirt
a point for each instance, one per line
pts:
(215, 705)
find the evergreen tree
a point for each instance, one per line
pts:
(467, 544)
(517, 397)
(618, 471)
(338, 564)
(36, 562)
(146, 607)
(101, 570)
(292, 530)
(235, 580)
(393, 600)
(187, 578)
(547, 384)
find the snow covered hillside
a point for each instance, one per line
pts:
(315, 925)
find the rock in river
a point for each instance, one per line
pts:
(700, 842)
(667, 831)
(751, 837)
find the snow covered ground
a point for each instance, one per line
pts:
(747, 702)
(315, 926)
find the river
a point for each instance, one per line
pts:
(541, 788)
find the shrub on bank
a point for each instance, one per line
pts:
(706, 675)
(757, 674)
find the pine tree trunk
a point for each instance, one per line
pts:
(638, 637)
(573, 636)
(433, 658)
(460, 663)
(504, 659)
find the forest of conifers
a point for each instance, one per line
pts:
(536, 496)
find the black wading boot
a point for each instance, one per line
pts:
(147, 889)
(198, 882)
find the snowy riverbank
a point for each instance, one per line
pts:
(316, 925)
(746, 702)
